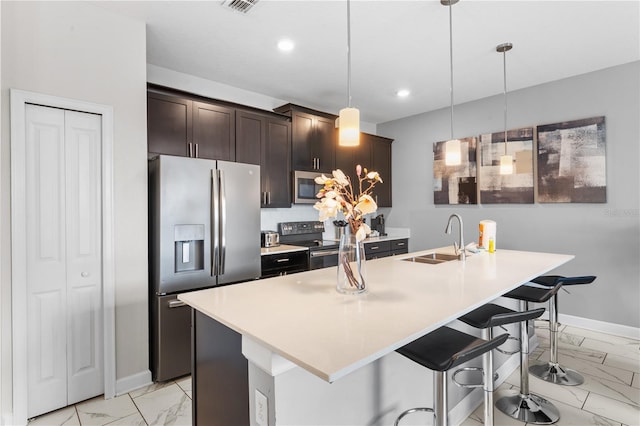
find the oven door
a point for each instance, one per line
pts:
(323, 258)
(305, 187)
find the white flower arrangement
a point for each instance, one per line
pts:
(337, 196)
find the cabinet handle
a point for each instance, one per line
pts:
(375, 248)
(268, 197)
(399, 244)
(282, 260)
(318, 164)
(197, 154)
(264, 198)
(190, 150)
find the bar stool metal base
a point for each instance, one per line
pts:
(555, 373)
(529, 409)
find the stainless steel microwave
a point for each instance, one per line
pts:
(305, 187)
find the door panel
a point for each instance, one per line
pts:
(84, 242)
(46, 260)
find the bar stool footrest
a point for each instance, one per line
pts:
(413, 410)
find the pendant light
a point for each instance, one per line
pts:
(349, 121)
(506, 161)
(452, 149)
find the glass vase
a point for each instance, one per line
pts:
(351, 265)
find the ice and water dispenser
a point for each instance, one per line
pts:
(189, 247)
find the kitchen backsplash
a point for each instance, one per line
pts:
(269, 218)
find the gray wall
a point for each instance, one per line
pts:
(605, 238)
(79, 51)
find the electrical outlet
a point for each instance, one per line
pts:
(262, 409)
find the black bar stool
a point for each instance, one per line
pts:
(486, 317)
(440, 351)
(553, 372)
(528, 407)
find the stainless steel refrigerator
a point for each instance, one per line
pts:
(204, 231)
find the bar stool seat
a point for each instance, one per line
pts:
(440, 351)
(528, 407)
(552, 371)
(485, 318)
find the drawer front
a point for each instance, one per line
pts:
(284, 263)
(376, 247)
(402, 244)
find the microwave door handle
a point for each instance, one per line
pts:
(215, 223)
(223, 221)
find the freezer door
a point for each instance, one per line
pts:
(239, 225)
(179, 224)
(170, 338)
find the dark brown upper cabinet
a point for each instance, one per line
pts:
(381, 163)
(188, 128)
(313, 139)
(266, 140)
(169, 124)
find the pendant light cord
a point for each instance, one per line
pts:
(349, 53)
(451, 62)
(504, 66)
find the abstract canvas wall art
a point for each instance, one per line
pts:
(517, 187)
(455, 184)
(572, 162)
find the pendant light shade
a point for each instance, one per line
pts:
(349, 121)
(453, 153)
(506, 160)
(452, 149)
(349, 132)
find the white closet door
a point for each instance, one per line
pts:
(64, 287)
(83, 242)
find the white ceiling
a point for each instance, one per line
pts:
(395, 44)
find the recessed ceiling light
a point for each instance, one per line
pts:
(403, 93)
(285, 45)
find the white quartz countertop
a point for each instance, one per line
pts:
(302, 318)
(282, 248)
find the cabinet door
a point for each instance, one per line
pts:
(168, 124)
(302, 155)
(348, 157)
(250, 134)
(214, 131)
(381, 163)
(324, 144)
(276, 163)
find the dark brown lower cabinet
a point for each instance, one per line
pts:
(219, 374)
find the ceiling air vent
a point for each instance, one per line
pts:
(240, 5)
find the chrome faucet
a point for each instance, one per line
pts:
(459, 247)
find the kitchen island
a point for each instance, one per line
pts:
(316, 356)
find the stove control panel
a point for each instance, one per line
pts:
(298, 228)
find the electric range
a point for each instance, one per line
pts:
(322, 253)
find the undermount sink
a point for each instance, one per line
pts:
(432, 258)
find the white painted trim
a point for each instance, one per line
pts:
(596, 325)
(133, 382)
(18, 246)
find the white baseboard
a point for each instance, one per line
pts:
(599, 326)
(133, 382)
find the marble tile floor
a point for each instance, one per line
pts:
(609, 396)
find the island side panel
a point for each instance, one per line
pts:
(219, 374)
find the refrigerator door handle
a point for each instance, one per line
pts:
(223, 222)
(215, 223)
